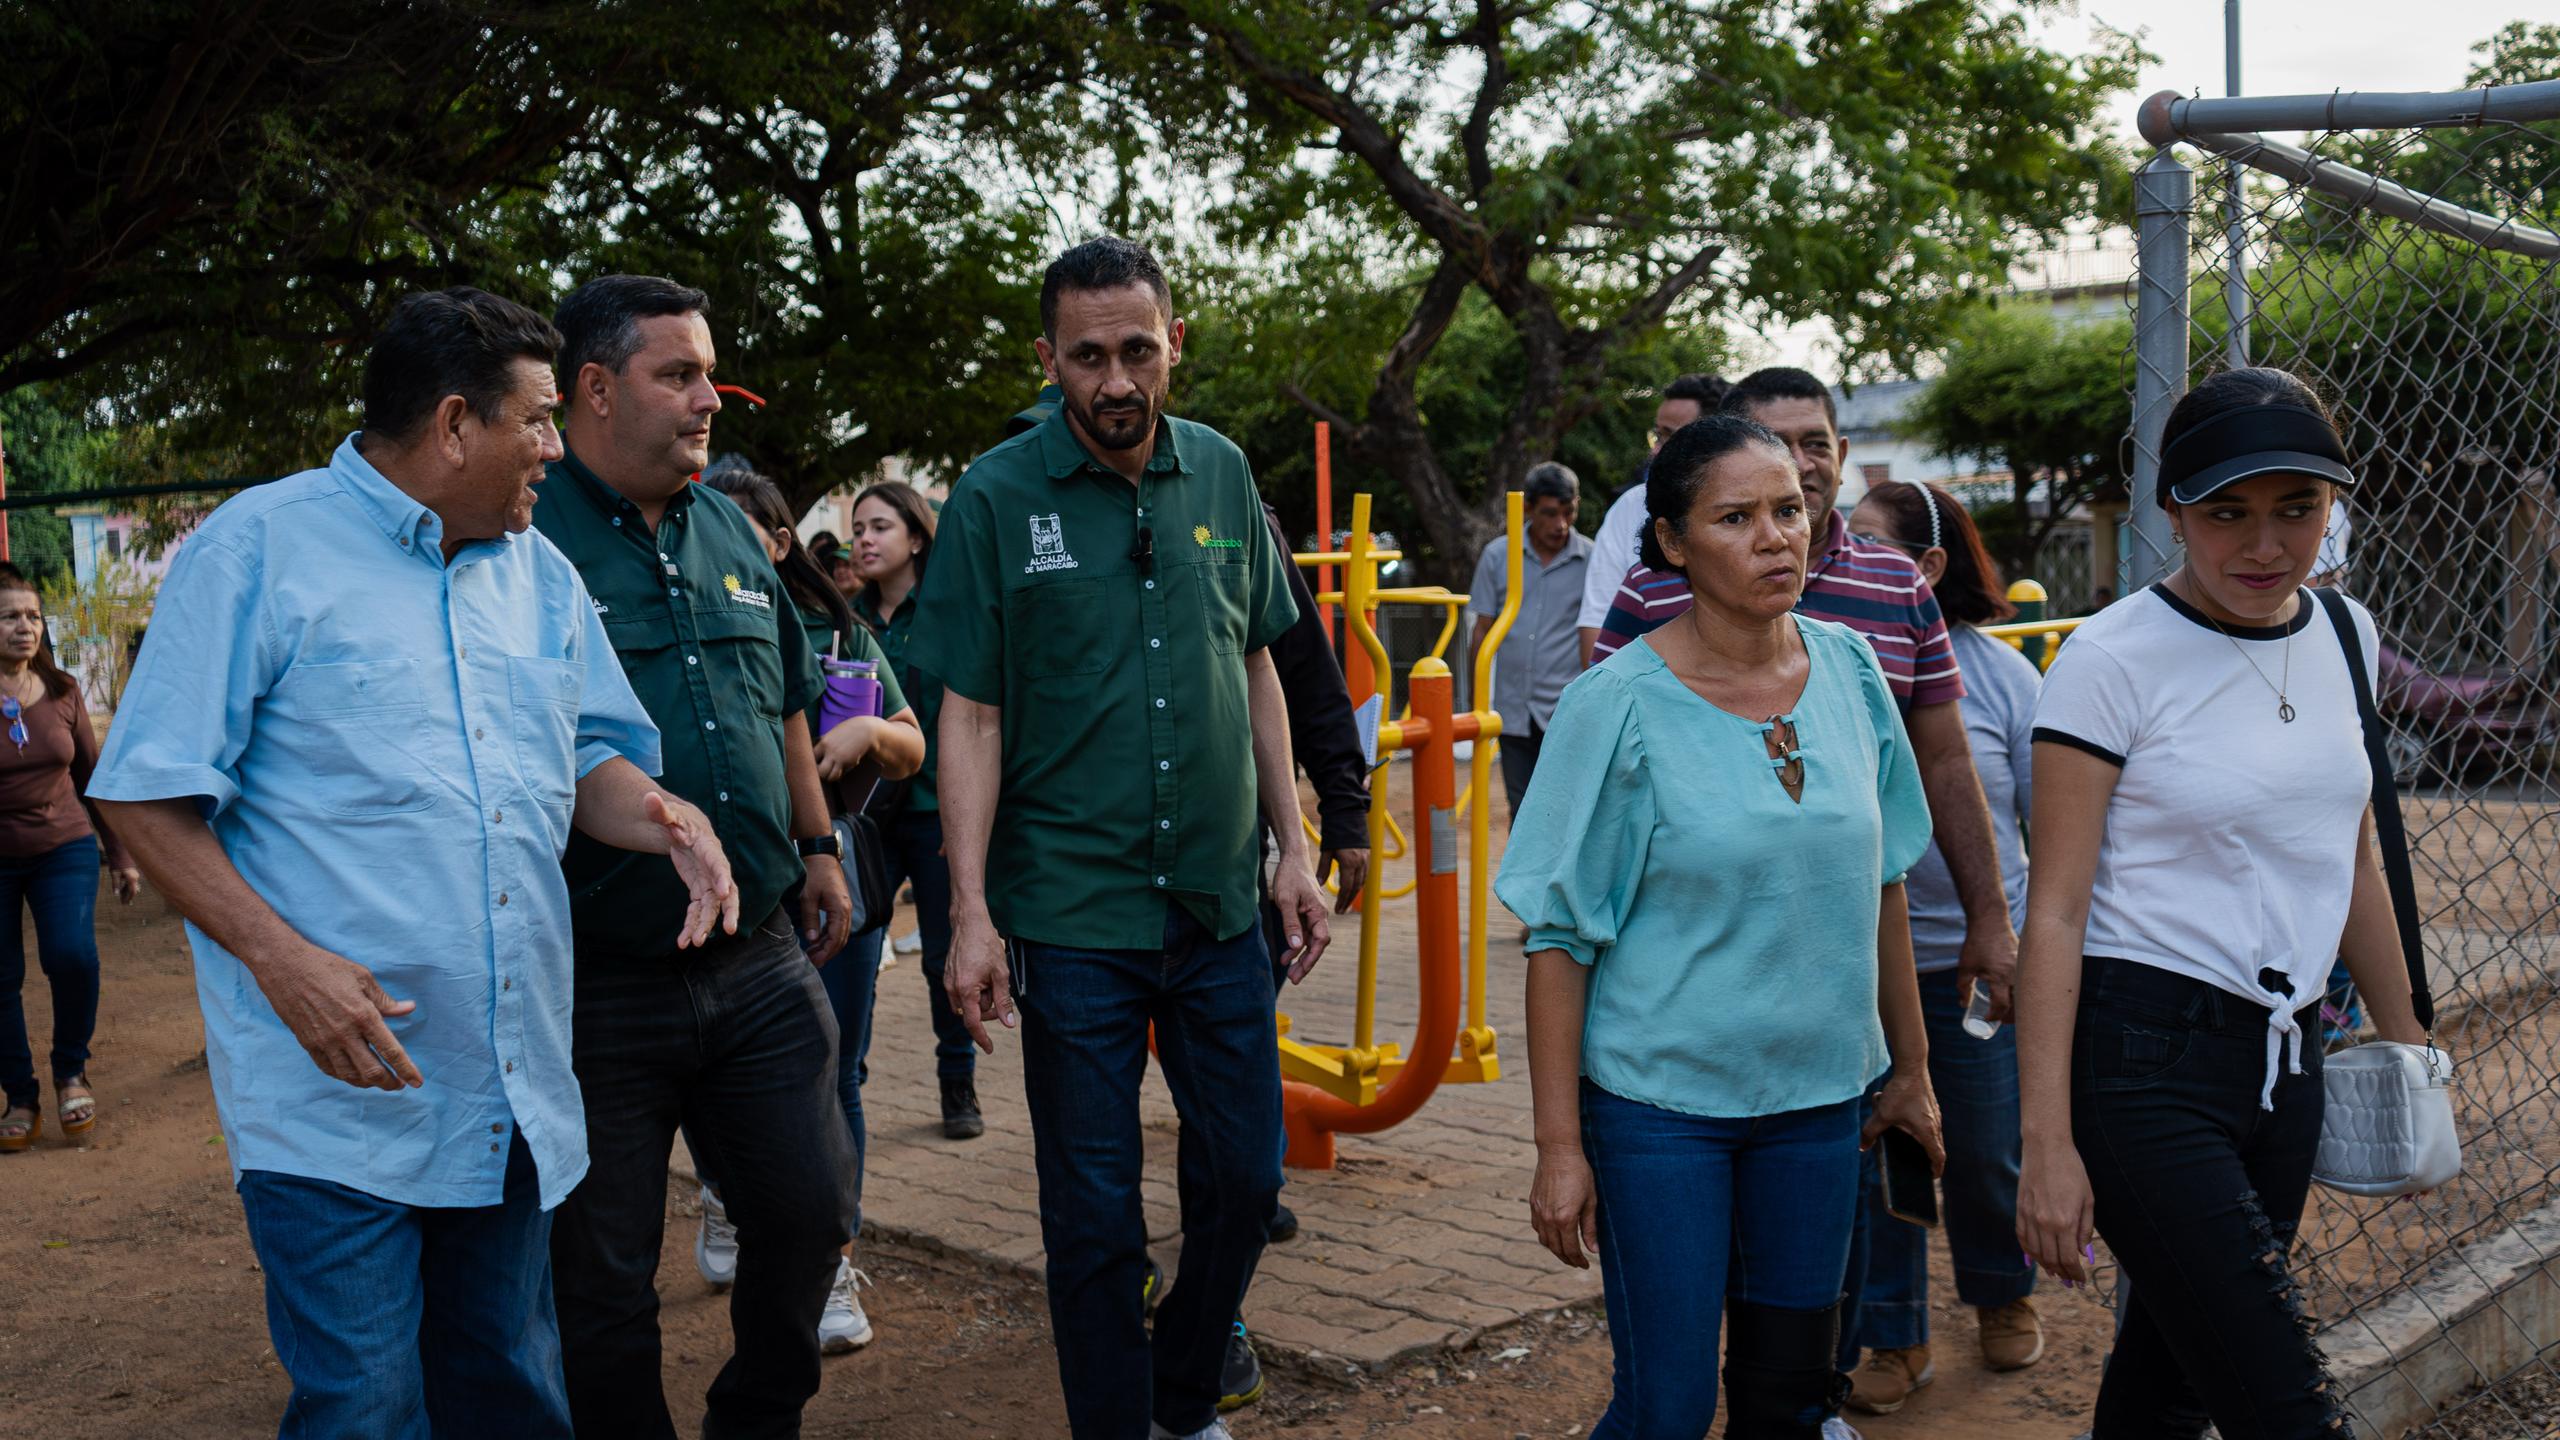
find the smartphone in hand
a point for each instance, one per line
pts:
(1910, 1190)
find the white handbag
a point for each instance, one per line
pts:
(2388, 1129)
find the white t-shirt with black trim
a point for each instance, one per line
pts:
(2230, 844)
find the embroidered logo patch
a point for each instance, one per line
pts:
(1206, 539)
(745, 596)
(1048, 546)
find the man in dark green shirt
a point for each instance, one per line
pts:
(1102, 596)
(733, 1041)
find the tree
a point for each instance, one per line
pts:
(214, 210)
(48, 452)
(1605, 172)
(2044, 398)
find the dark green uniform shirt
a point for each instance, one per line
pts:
(1128, 742)
(715, 650)
(922, 690)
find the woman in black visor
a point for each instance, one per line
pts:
(2202, 850)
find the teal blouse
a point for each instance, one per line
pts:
(1730, 931)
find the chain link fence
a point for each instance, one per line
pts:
(2402, 259)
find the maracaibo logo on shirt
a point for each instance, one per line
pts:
(1206, 539)
(745, 596)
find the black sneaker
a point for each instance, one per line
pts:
(960, 1117)
(1283, 1226)
(1151, 1289)
(1240, 1381)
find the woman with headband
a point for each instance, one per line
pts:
(1975, 1075)
(2203, 852)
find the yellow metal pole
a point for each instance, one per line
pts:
(1476, 1042)
(1359, 577)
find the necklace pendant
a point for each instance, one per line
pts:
(2284, 711)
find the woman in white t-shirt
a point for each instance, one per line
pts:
(2202, 855)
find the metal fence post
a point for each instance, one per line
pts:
(2163, 194)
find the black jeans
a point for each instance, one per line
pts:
(1519, 762)
(735, 1043)
(2199, 1193)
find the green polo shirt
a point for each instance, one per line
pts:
(1128, 744)
(923, 691)
(716, 652)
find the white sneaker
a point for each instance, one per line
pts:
(1216, 1430)
(911, 943)
(715, 1243)
(842, 1327)
(1836, 1428)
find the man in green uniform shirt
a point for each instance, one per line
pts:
(734, 1041)
(1102, 595)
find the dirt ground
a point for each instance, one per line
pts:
(130, 1302)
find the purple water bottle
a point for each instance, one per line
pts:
(853, 688)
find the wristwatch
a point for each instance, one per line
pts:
(828, 844)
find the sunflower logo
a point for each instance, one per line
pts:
(730, 582)
(1200, 535)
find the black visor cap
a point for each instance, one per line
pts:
(2253, 440)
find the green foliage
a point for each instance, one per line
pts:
(1598, 175)
(49, 451)
(2041, 396)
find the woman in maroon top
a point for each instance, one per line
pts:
(49, 840)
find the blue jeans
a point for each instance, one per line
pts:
(1977, 1086)
(733, 1042)
(61, 887)
(915, 856)
(852, 980)
(1085, 1016)
(398, 1322)
(1694, 1211)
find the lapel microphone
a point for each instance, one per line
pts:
(1143, 554)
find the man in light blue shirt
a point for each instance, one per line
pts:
(1543, 650)
(369, 711)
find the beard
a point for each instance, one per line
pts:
(1124, 426)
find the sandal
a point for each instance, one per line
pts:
(79, 1112)
(19, 1127)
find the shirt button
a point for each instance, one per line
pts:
(693, 660)
(466, 652)
(479, 734)
(493, 1147)
(672, 590)
(511, 1067)
(404, 542)
(498, 817)
(507, 984)
(502, 897)
(1164, 824)
(710, 724)
(724, 797)
(1159, 879)
(1151, 584)
(1164, 764)
(617, 519)
(1155, 644)
(1159, 702)
(497, 1129)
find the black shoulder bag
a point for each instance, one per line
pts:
(2386, 807)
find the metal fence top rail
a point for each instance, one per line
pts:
(2168, 116)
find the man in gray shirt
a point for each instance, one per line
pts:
(1544, 649)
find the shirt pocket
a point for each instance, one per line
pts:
(740, 644)
(1057, 630)
(1222, 589)
(546, 696)
(355, 729)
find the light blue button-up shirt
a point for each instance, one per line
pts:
(388, 746)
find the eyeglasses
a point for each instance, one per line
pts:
(17, 722)
(1915, 551)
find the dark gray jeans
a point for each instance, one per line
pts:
(735, 1043)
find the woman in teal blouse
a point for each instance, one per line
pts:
(1710, 867)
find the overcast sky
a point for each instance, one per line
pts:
(2298, 47)
(2287, 47)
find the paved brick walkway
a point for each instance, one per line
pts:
(1418, 1241)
